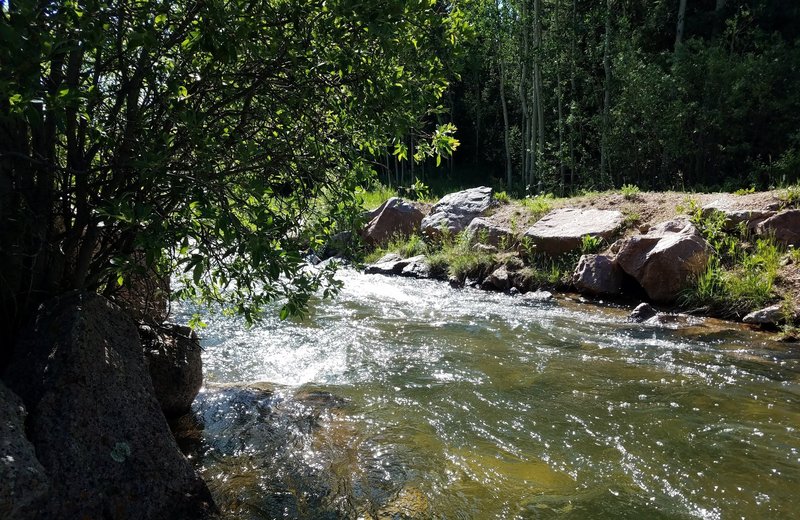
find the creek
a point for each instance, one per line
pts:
(406, 398)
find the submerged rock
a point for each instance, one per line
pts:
(562, 230)
(772, 315)
(394, 264)
(94, 421)
(23, 483)
(455, 211)
(664, 260)
(642, 312)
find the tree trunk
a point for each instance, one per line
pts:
(537, 72)
(559, 95)
(574, 90)
(505, 122)
(604, 171)
(681, 23)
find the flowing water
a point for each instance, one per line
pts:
(408, 399)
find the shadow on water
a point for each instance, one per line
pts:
(270, 452)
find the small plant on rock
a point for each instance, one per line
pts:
(590, 245)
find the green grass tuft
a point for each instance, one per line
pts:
(630, 191)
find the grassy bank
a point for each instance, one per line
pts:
(745, 272)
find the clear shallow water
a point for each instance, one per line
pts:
(408, 399)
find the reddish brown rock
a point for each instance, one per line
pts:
(395, 218)
(665, 259)
(784, 226)
(491, 234)
(562, 230)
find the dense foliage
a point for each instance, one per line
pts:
(565, 95)
(213, 138)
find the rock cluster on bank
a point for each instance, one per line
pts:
(660, 262)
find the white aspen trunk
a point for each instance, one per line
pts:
(505, 122)
(574, 84)
(523, 90)
(560, 98)
(537, 71)
(604, 173)
(681, 23)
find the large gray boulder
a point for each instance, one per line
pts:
(455, 211)
(23, 483)
(172, 353)
(562, 230)
(490, 233)
(94, 421)
(784, 226)
(598, 275)
(664, 260)
(396, 217)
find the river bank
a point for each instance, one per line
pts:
(731, 256)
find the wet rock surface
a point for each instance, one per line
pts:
(329, 472)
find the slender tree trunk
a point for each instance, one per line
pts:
(505, 122)
(559, 95)
(574, 90)
(537, 72)
(604, 171)
(523, 89)
(411, 157)
(681, 23)
(477, 118)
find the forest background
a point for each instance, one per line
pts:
(559, 96)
